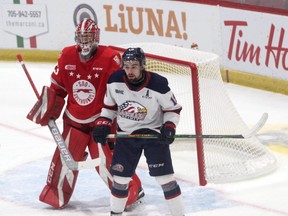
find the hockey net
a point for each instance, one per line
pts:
(195, 79)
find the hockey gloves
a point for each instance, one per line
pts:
(49, 105)
(167, 132)
(101, 130)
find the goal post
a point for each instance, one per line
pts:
(194, 77)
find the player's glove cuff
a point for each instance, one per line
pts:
(101, 130)
(167, 132)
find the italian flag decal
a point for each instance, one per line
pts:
(20, 40)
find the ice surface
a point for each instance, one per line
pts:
(26, 150)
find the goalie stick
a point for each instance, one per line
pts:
(64, 151)
(247, 134)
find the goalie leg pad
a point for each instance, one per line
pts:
(61, 181)
(106, 158)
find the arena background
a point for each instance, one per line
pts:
(249, 36)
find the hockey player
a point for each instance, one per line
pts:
(81, 74)
(143, 104)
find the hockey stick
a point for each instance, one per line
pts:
(64, 151)
(248, 134)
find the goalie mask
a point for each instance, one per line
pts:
(132, 54)
(87, 37)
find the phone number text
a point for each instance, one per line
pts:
(31, 14)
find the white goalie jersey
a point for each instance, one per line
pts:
(151, 103)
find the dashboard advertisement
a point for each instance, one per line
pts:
(247, 41)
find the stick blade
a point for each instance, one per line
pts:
(253, 131)
(89, 164)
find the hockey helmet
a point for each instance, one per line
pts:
(132, 54)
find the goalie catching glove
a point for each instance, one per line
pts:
(101, 130)
(167, 132)
(49, 105)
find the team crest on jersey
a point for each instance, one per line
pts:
(83, 92)
(132, 110)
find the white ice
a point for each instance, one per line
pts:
(26, 150)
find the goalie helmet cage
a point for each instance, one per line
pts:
(194, 77)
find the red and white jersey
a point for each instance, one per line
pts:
(84, 82)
